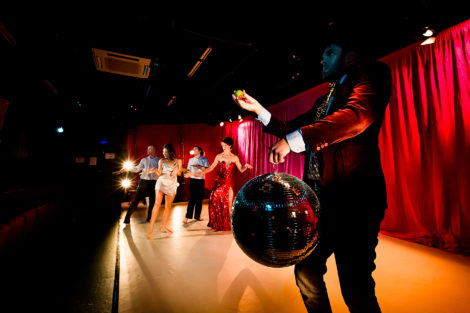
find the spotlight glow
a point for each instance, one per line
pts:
(125, 183)
(60, 130)
(221, 124)
(128, 165)
(191, 152)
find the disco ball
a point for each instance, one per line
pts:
(275, 219)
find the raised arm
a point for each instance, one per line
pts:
(134, 169)
(273, 125)
(239, 165)
(205, 171)
(210, 168)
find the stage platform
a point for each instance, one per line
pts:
(91, 262)
(197, 270)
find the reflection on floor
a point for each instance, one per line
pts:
(197, 270)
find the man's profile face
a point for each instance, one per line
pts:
(333, 62)
(197, 152)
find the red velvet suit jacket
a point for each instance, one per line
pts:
(351, 172)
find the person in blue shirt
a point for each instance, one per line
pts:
(196, 184)
(146, 187)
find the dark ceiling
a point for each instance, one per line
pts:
(271, 50)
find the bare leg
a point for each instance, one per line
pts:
(168, 201)
(156, 207)
(230, 201)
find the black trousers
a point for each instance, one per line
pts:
(351, 234)
(196, 190)
(146, 188)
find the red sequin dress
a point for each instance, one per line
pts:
(219, 205)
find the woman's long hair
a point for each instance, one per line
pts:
(171, 151)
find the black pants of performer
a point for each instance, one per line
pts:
(196, 190)
(146, 188)
(351, 234)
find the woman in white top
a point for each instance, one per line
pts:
(168, 169)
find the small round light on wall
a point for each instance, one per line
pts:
(221, 124)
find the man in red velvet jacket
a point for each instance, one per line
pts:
(339, 137)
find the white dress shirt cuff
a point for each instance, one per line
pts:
(264, 117)
(296, 141)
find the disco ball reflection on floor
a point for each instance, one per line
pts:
(275, 219)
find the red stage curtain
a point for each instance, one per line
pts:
(183, 138)
(425, 141)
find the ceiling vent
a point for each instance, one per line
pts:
(123, 64)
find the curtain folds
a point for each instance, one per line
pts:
(425, 141)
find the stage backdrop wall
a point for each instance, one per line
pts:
(425, 142)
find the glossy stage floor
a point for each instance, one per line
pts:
(197, 270)
(90, 262)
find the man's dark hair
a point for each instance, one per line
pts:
(350, 36)
(200, 149)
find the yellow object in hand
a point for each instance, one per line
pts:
(239, 94)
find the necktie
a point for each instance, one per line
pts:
(322, 109)
(313, 172)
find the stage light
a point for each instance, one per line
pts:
(103, 142)
(427, 32)
(191, 152)
(60, 130)
(171, 101)
(128, 165)
(230, 119)
(199, 62)
(221, 124)
(428, 41)
(125, 183)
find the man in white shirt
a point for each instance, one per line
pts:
(146, 187)
(196, 184)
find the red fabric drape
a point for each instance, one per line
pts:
(183, 138)
(425, 141)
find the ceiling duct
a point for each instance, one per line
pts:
(123, 64)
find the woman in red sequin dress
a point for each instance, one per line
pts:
(221, 199)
